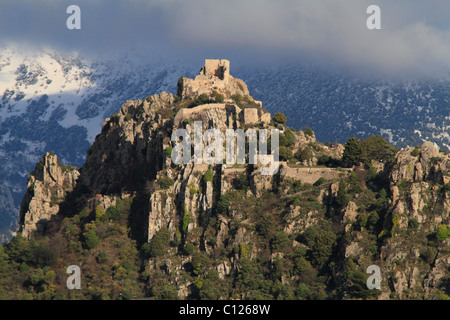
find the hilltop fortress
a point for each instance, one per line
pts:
(214, 77)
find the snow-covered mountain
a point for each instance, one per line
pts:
(51, 101)
(338, 106)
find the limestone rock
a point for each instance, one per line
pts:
(47, 186)
(266, 118)
(350, 213)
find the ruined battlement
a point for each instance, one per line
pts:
(214, 77)
(216, 68)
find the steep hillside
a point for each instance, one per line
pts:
(52, 100)
(139, 225)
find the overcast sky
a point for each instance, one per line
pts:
(415, 35)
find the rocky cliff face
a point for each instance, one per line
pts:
(47, 187)
(420, 204)
(412, 260)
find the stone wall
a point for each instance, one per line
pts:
(226, 114)
(309, 175)
(219, 68)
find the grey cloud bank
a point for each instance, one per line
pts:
(414, 38)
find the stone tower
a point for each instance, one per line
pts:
(216, 68)
(213, 77)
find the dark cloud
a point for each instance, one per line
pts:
(414, 36)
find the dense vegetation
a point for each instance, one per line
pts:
(277, 260)
(97, 241)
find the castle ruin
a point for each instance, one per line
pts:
(214, 77)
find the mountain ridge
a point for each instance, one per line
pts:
(326, 101)
(198, 231)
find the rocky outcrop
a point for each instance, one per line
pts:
(421, 164)
(129, 140)
(419, 203)
(47, 186)
(416, 180)
(219, 213)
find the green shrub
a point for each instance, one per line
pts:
(218, 98)
(208, 176)
(413, 224)
(282, 140)
(309, 236)
(342, 197)
(301, 265)
(428, 254)
(279, 118)
(241, 182)
(285, 153)
(19, 249)
(180, 86)
(302, 291)
(297, 202)
(303, 154)
(24, 267)
(362, 220)
(309, 132)
(403, 185)
(99, 213)
(162, 289)
(297, 186)
(165, 182)
(102, 257)
(372, 173)
(223, 203)
(43, 255)
(290, 137)
(159, 243)
(189, 249)
(201, 99)
(186, 220)
(323, 247)
(91, 239)
(279, 241)
(363, 151)
(442, 232)
(128, 117)
(169, 152)
(192, 190)
(112, 213)
(373, 219)
(323, 159)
